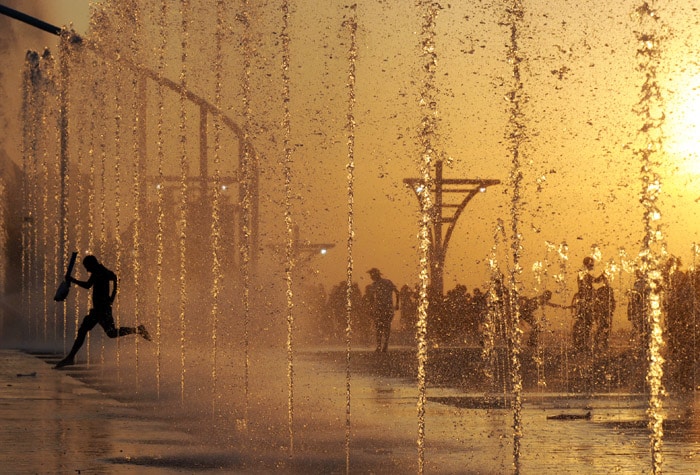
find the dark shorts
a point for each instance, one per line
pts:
(383, 318)
(103, 316)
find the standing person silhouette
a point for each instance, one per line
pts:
(101, 311)
(585, 305)
(380, 299)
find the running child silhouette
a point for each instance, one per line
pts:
(101, 311)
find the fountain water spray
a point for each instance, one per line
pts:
(215, 234)
(650, 110)
(289, 247)
(138, 150)
(247, 167)
(184, 172)
(428, 141)
(160, 180)
(516, 137)
(351, 25)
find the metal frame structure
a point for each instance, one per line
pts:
(444, 213)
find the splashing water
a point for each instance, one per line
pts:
(160, 156)
(428, 138)
(117, 74)
(215, 234)
(138, 145)
(539, 270)
(351, 25)
(289, 248)
(516, 138)
(184, 171)
(493, 317)
(650, 111)
(247, 165)
(562, 278)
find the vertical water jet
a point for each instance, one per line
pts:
(184, 172)
(138, 151)
(427, 137)
(215, 234)
(160, 180)
(650, 110)
(246, 163)
(289, 225)
(516, 137)
(351, 25)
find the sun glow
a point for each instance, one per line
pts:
(682, 140)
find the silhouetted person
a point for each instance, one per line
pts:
(409, 307)
(478, 310)
(101, 311)
(528, 306)
(603, 310)
(585, 305)
(636, 308)
(380, 300)
(456, 305)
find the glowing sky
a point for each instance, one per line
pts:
(581, 182)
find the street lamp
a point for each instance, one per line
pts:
(449, 198)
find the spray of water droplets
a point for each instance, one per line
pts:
(516, 137)
(427, 137)
(289, 248)
(184, 171)
(351, 24)
(160, 157)
(138, 149)
(247, 165)
(650, 140)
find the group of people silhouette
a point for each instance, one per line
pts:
(458, 315)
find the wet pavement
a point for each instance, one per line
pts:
(103, 419)
(52, 423)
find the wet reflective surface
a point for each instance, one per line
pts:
(80, 420)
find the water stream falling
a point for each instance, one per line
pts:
(428, 142)
(247, 198)
(85, 190)
(138, 149)
(288, 221)
(102, 89)
(164, 186)
(46, 189)
(29, 154)
(561, 279)
(517, 137)
(159, 185)
(215, 208)
(651, 112)
(184, 173)
(117, 70)
(351, 25)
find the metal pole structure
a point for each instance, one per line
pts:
(30, 20)
(204, 106)
(444, 214)
(304, 251)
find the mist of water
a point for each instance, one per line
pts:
(113, 160)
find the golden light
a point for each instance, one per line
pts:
(682, 140)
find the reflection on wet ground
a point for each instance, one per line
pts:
(80, 420)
